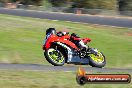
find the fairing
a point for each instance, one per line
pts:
(53, 38)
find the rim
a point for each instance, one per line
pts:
(55, 56)
(99, 58)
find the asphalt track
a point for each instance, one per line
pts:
(48, 68)
(120, 22)
(111, 21)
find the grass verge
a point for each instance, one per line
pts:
(35, 79)
(21, 40)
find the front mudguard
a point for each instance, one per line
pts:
(67, 51)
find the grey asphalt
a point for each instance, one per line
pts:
(37, 67)
(120, 22)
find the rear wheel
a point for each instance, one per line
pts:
(55, 57)
(97, 60)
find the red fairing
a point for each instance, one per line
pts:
(63, 39)
(86, 40)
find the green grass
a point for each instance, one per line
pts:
(35, 79)
(21, 40)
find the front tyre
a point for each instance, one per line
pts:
(55, 57)
(98, 60)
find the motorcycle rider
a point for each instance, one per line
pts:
(78, 41)
(73, 38)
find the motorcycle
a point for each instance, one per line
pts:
(59, 49)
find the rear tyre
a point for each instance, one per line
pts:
(55, 57)
(97, 61)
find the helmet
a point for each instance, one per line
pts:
(51, 30)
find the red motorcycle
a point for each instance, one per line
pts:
(60, 49)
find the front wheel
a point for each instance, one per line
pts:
(55, 57)
(98, 60)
